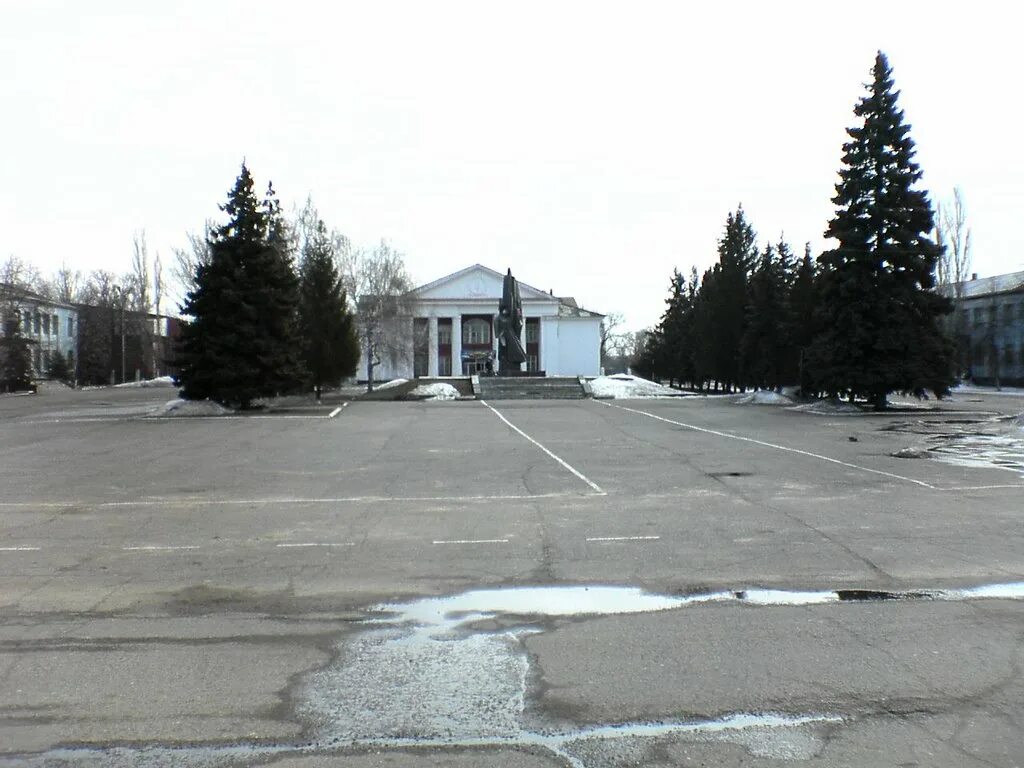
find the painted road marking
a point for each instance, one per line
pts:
(336, 411)
(623, 538)
(472, 541)
(315, 544)
(158, 548)
(190, 502)
(19, 549)
(777, 447)
(564, 463)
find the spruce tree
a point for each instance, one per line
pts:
(242, 342)
(764, 341)
(15, 355)
(802, 320)
(881, 329)
(727, 299)
(330, 344)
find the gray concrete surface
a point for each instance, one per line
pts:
(176, 591)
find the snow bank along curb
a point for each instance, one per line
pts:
(191, 408)
(621, 386)
(436, 391)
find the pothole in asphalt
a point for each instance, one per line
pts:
(424, 674)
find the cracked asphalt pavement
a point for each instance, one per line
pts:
(224, 591)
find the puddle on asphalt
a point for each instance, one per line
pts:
(996, 442)
(1004, 452)
(424, 674)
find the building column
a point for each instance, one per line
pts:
(522, 341)
(432, 346)
(548, 347)
(457, 345)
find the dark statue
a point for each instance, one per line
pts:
(508, 328)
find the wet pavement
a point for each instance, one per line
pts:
(453, 672)
(671, 583)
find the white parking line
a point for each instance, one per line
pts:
(187, 502)
(336, 411)
(623, 538)
(316, 544)
(472, 541)
(19, 549)
(564, 463)
(776, 447)
(158, 548)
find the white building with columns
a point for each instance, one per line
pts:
(449, 331)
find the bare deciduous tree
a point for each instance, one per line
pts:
(66, 284)
(954, 233)
(953, 236)
(187, 261)
(379, 283)
(611, 322)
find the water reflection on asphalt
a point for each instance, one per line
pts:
(453, 672)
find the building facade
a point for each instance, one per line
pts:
(448, 330)
(988, 324)
(50, 327)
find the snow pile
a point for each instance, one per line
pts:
(390, 384)
(160, 381)
(829, 408)
(623, 385)
(764, 397)
(191, 408)
(436, 391)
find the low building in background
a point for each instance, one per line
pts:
(447, 329)
(988, 323)
(49, 327)
(116, 346)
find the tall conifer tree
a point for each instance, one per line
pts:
(242, 342)
(880, 321)
(330, 345)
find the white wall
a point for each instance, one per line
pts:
(577, 347)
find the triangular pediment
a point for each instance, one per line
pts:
(476, 282)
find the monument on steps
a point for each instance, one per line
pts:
(508, 329)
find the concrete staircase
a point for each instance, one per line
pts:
(530, 388)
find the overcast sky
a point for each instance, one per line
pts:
(589, 147)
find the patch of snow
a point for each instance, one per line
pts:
(390, 384)
(436, 391)
(764, 397)
(910, 453)
(968, 389)
(160, 381)
(191, 408)
(624, 386)
(829, 408)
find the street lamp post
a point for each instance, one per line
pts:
(120, 294)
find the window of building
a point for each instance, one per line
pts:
(55, 325)
(46, 325)
(71, 326)
(476, 331)
(38, 323)
(444, 365)
(531, 363)
(444, 334)
(532, 333)
(26, 322)
(977, 315)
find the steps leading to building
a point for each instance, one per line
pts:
(530, 388)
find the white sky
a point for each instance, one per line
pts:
(589, 147)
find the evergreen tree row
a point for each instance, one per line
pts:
(262, 326)
(862, 321)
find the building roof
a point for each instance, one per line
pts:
(1011, 282)
(24, 294)
(567, 306)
